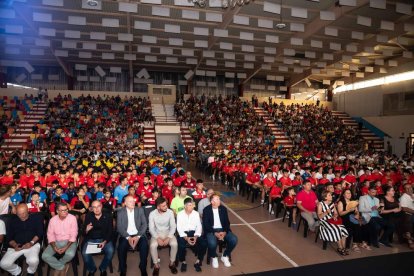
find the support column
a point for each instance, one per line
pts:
(329, 94)
(241, 90)
(71, 82)
(288, 93)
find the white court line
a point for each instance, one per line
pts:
(274, 247)
(254, 223)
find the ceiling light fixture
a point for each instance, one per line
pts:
(281, 25)
(224, 3)
(92, 3)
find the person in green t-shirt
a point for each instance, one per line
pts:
(177, 203)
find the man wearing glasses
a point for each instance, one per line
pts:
(61, 234)
(98, 230)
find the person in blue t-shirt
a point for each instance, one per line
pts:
(59, 193)
(121, 190)
(15, 196)
(38, 189)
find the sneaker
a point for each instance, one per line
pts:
(197, 267)
(294, 226)
(262, 202)
(183, 267)
(226, 261)
(214, 262)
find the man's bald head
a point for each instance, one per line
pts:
(22, 211)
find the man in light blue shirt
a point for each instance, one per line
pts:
(121, 190)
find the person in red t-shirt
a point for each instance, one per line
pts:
(290, 204)
(7, 178)
(189, 182)
(145, 190)
(306, 201)
(324, 180)
(168, 190)
(275, 197)
(268, 182)
(253, 182)
(199, 193)
(151, 201)
(350, 177)
(25, 179)
(297, 181)
(79, 205)
(108, 202)
(132, 192)
(365, 187)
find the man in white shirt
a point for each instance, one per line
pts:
(189, 229)
(132, 227)
(162, 229)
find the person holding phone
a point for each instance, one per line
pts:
(370, 209)
(98, 228)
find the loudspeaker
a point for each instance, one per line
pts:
(189, 74)
(3, 80)
(100, 71)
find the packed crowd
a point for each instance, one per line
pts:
(223, 123)
(311, 127)
(347, 199)
(93, 122)
(81, 196)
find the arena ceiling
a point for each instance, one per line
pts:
(323, 40)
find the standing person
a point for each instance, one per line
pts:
(24, 233)
(98, 228)
(162, 229)
(306, 201)
(61, 234)
(132, 226)
(216, 225)
(189, 229)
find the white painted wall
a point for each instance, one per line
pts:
(398, 127)
(369, 101)
(167, 140)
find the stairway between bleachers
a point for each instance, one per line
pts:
(281, 138)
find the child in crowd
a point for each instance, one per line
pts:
(108, 202)
(35, 205)
(15, 196)
(289, 201)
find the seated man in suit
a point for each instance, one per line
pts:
(24, 234)
(216, 225)
(370, 209)
(132, 227)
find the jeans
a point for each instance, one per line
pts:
(375, 225)
(200, 248)
(230, 239)
(108, 252)
(142, 247)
